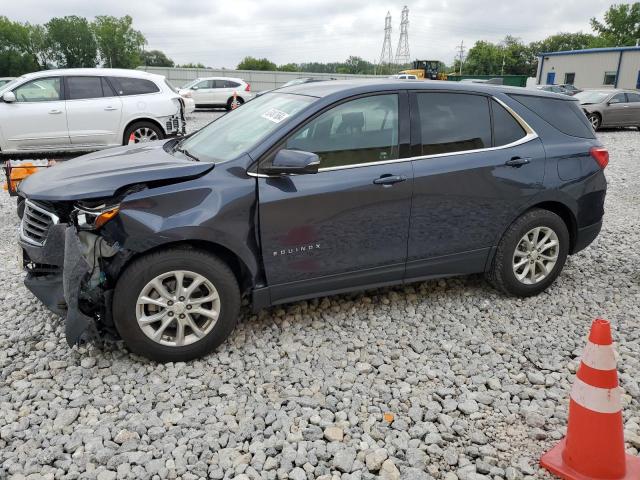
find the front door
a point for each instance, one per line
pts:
(93, 112)
(347, 225)
(38, 118)
(468, 183)
(203, 92)
(551, 78)
(617, 111)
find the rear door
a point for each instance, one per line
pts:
(38, 117)
(634, 109)
(94, 112)
(347, 225)
(469, 180)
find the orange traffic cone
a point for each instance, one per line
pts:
(132, 139)
(594, 446)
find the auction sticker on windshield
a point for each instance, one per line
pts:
(274, 115)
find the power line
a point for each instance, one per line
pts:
(386, 55)
(402, 52)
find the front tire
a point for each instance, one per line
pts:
(230, 103)
(176, 305)
(595, 120)
(531, 254)
(142, 132)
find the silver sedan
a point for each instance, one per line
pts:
(610, 108)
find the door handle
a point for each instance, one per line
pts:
(55, 112)
(389, 179)
(517, 162)
(110, 108)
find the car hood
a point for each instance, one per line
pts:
(101, 174)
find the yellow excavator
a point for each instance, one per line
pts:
(426, 69)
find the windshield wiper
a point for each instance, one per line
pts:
(184, 151)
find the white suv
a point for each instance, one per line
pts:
(218, 91)
(87, 109)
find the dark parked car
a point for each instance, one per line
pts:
(313, 190)
(611, 108)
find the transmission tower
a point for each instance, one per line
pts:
(386, 56)
(460, 55)
(402, 52)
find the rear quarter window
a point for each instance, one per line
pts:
(564, 115)
(133, 86)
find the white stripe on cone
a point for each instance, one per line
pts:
(601, 400)
(600, 357)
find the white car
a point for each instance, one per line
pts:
(218, 91)
(87, 109)
(404, 76)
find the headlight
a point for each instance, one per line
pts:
(94, 218)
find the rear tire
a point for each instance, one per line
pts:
(165, 333)
(143, 132)
(239, 101)
(523, 256)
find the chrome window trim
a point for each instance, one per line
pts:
(54, 221)
(530, 135)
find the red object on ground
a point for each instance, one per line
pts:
(594, 446)
(132, 138)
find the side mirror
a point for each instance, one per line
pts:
(9, 97)
(288, 162)
(194, 88)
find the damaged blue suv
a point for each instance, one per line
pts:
(311, 190)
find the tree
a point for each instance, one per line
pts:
(251, 63)
(71, 42)
(566, 41)
(156, 58)
(191, 65)
(289, 67)
(484, 58)
(14, 59)
(621, 25)
(119, 44)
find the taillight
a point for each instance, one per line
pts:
(247, 88)
(600, 155)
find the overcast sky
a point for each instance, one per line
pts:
(220, 33)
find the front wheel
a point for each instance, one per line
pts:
(234, 103)
(176, 305)
(531, 254)
(142, 132)
(595, 120)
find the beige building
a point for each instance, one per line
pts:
(617, 67)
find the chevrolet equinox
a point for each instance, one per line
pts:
(311, 190)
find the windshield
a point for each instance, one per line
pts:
(191, 83)
(239, 130)
(591, 97)
(295, 82)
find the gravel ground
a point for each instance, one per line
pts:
(445, 379)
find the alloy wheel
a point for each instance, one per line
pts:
(178, 308)
(535, 256)
(143, 135)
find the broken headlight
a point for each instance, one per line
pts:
(92, 218)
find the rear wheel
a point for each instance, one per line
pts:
(531, 254)
(232, 104)
(595, 120)
(142, 132)
(176, 305)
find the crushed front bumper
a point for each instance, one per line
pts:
(65, 275)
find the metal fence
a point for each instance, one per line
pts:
(259, 80)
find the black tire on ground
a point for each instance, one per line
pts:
(143, 270)
(501, 274)
(142, 125)
(230, 101)
(595, 120)
(20, 207)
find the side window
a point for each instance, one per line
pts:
(230, 84)
(40, 90)
(106, 88)
(633, 97)
(618, 98)
(133, 86)
(453, 122)
(84, 87)
(506, 129)
(359, 131)
(218, 83)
